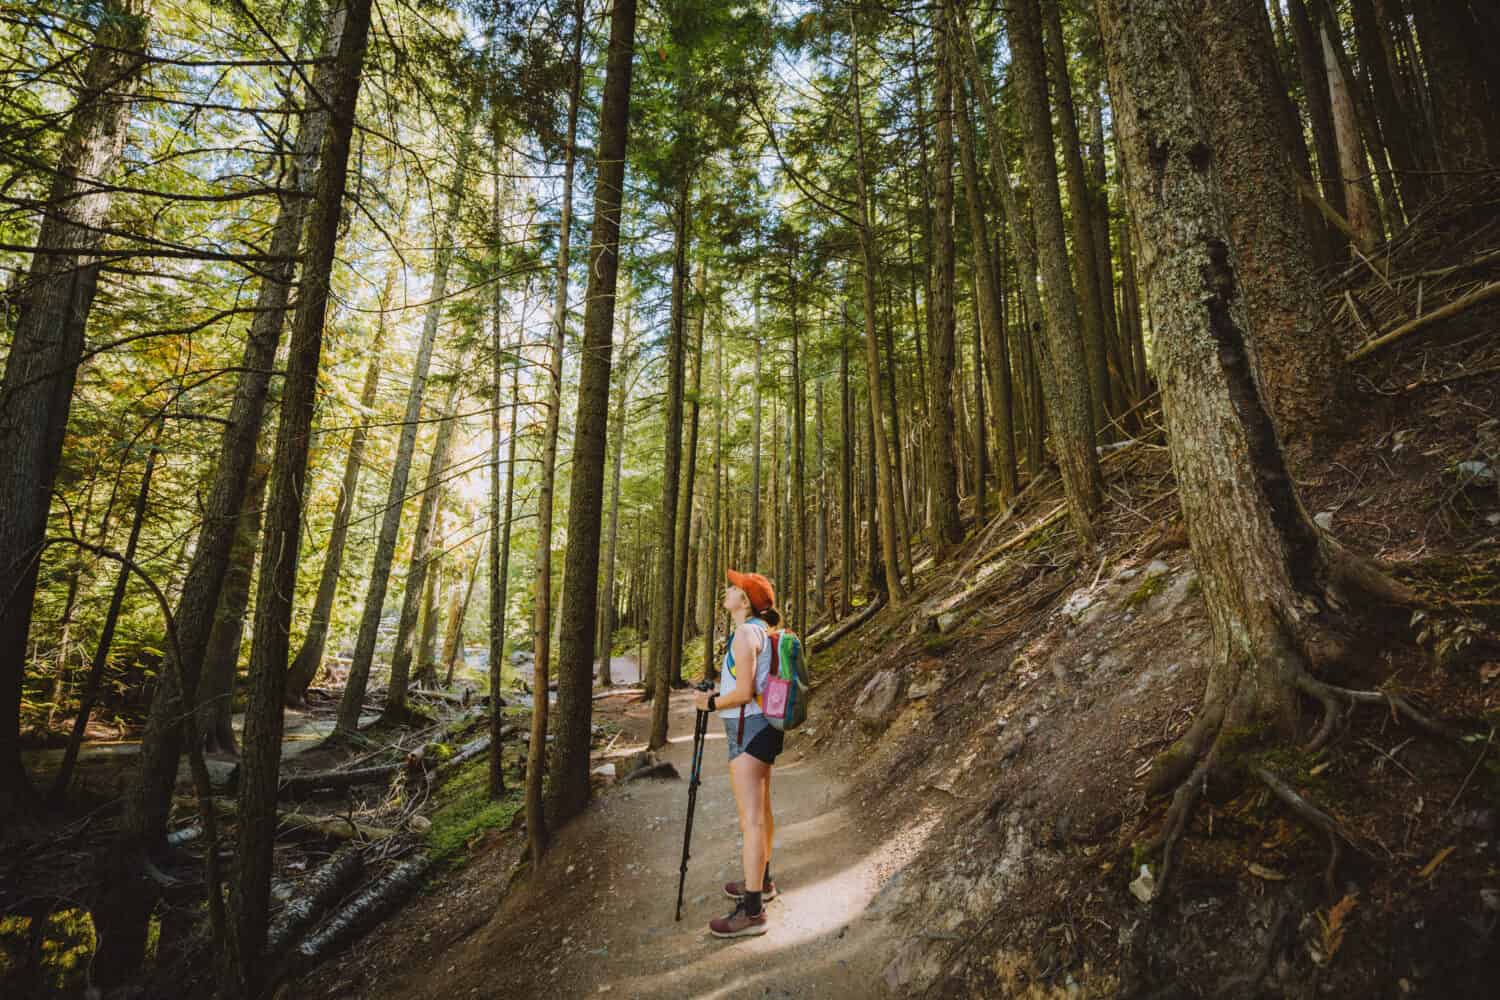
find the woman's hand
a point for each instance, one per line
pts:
(701, 701)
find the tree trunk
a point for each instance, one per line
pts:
(1264, 566)
(422, 557)
(221, 657)
(47, 349)
(581, 570)
(885, 485)
(310, 657)
(390, 523)
(1127, 392)
(755, 434)
(947, 526)
(261, 757)
(820, 559)
(1396, 121)
(1059, 362)
(500, 552)
(1359, 199)
(716, 525)
(846, 476)
(898, 464)
(161, 743)
(107, 631)
(1080, 208)
(987, 303)
(662, 630)
(1297, 363)
(425, 655)
(621, 426)
(1447, 33)
(458, 609)
(801, 618)
(1319, 111)
(685, 503)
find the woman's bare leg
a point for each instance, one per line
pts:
(749, 776)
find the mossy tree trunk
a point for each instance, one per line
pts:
(1268, 574)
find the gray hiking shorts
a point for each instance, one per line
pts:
(762, 740)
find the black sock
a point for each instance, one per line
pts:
(767, 876)
(752, 903)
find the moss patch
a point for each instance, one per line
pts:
(467, 809)
(1149, 588)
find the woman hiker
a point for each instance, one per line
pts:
(753, 746)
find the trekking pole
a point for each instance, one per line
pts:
(700, 731)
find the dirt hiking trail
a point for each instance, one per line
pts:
(597, 919)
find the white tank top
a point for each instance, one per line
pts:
(727, 679)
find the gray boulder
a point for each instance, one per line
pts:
(878, 702)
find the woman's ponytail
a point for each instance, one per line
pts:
(771, 617)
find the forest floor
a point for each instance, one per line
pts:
(598, 917)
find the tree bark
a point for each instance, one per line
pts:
(755, 435)
(621, 425)
(390, 523)
(1466, 118)
(425, 655)
(500, 557)
(581, 570)
(1060, 360)
(846, 475)
(820, 559)
(422, 558)
(161, 743)
(1359, 198)
(458, 609)
(1319, 111)
(310, 657)
(680, 612)
(261, 757)
(987, 302)
(947, 525)
(1266, 570)
(1297, 363)
(662, 630)
(47, 349)
(1080, 208)
(221, 656)
(1396, 121)
(885, 486)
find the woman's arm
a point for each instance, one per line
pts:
(745, 652)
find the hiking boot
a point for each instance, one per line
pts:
(736, 890)
(739, 923)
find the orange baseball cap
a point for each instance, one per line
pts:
(756, 587)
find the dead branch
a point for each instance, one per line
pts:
(816, 643)
(1482, 294)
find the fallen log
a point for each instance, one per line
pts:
(373, 903)
(816, 643)
(301, 786)
(335, 827)
(313, 896)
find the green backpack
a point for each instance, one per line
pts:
(788, 687)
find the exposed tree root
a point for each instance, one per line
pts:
(1313, 816)
(1190, 763)
(1330, 696)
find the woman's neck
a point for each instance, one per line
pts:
(740, 617)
